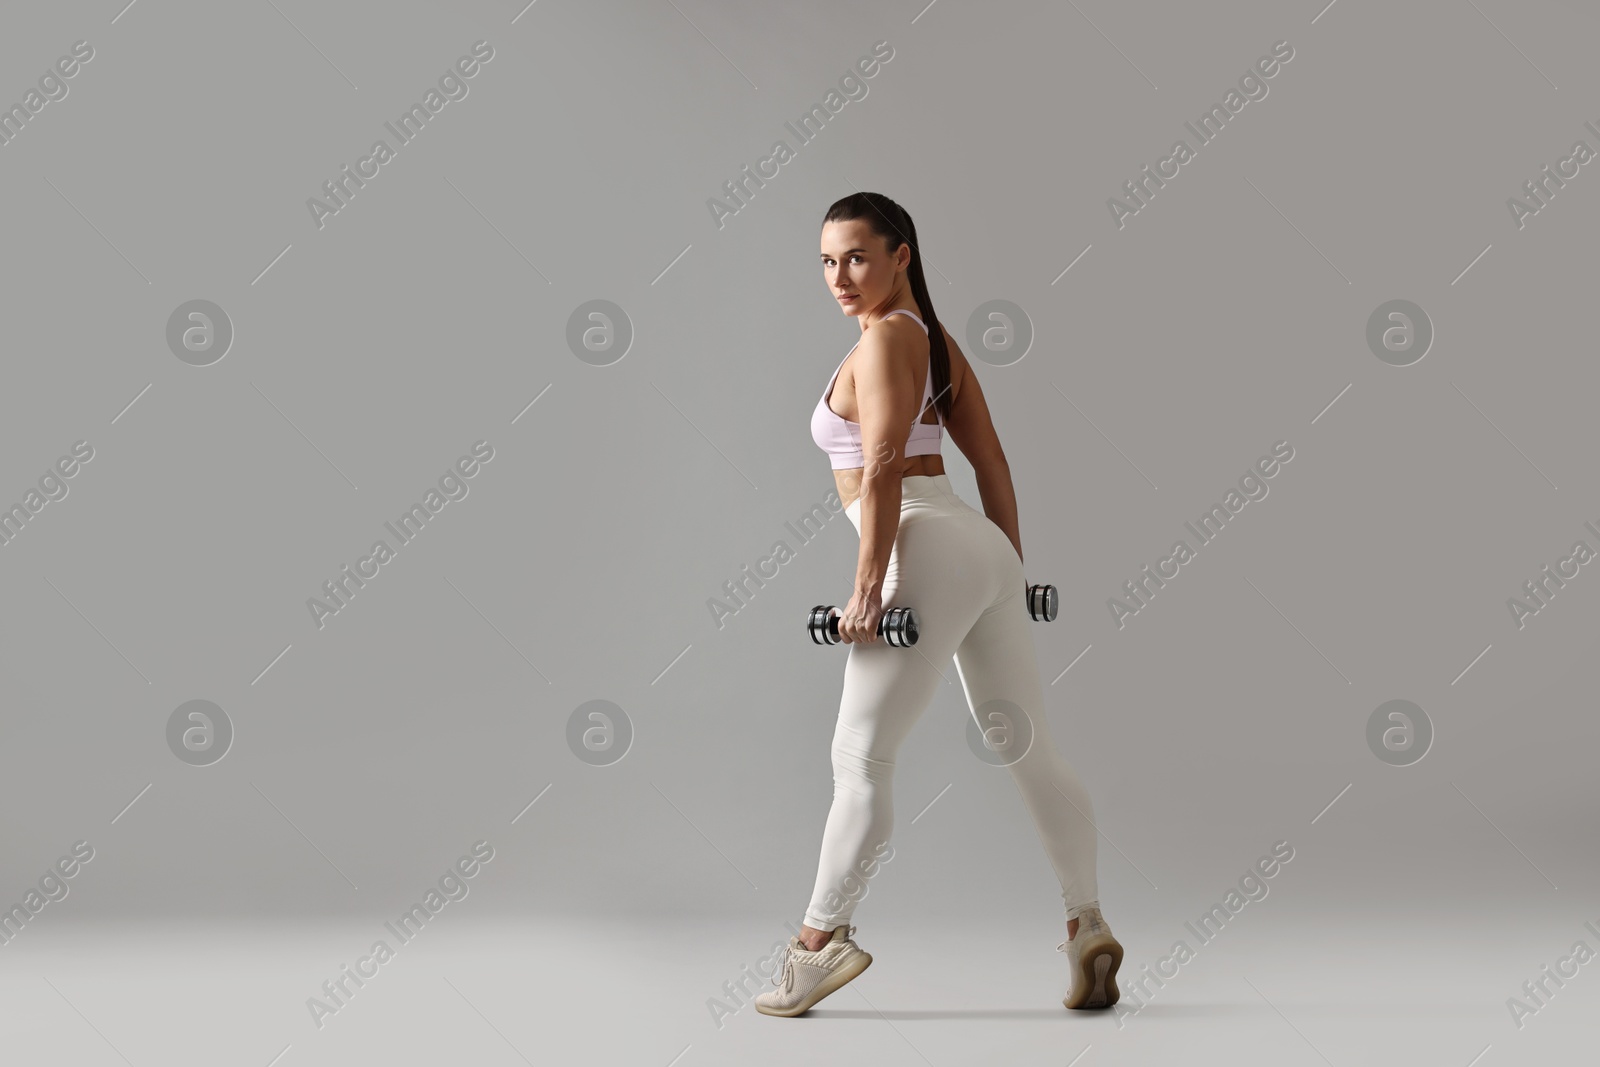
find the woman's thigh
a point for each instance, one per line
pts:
(945, 569)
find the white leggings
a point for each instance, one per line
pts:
(960, 573)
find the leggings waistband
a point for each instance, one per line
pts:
(920, 495)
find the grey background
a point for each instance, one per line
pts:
(1227, 315)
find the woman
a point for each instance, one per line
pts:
(959, 570)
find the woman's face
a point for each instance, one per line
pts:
(859, 272)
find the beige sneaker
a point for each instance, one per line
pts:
(807, 977)
(1095, 956)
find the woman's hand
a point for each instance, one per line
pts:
(859, 620)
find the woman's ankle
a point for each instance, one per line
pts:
(813, 938)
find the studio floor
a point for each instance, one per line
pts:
(484, 990)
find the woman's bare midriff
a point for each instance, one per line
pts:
(848, 480)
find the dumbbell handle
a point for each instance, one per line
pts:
(833, 625)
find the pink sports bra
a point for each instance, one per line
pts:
(841, 438)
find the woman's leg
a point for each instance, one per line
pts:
(1001, 678)
(886, 689)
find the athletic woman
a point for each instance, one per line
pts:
(959, 570)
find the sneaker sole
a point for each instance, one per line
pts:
(830, 984)
(1095, 984)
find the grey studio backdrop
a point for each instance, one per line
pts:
(544, 269)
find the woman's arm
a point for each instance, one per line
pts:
(884, 386)
(971, 428)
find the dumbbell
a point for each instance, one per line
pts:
(898, 626)
(1042, 602)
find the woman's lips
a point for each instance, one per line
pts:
(847, 298)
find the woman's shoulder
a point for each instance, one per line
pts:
(893, 338)
(900, 341)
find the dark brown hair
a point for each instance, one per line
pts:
(893, 223)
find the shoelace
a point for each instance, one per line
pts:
(785, 978)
